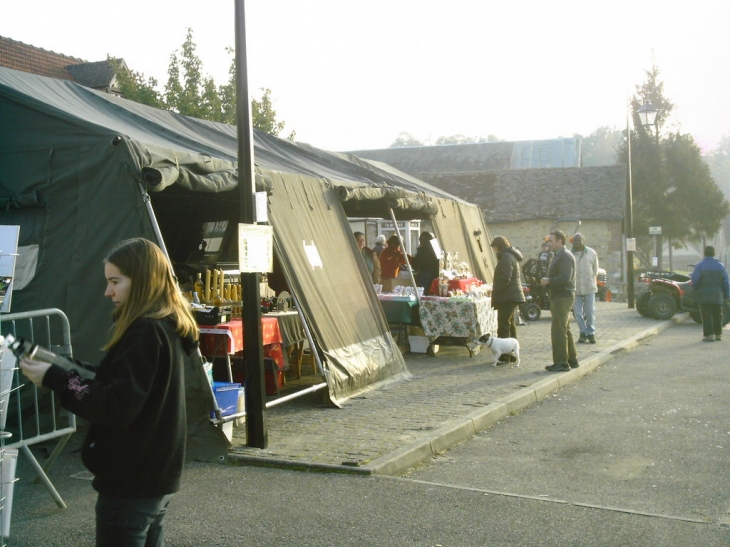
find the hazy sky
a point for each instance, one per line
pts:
(353, 75)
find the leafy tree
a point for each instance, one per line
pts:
(406, 139)
(461, 139)
(133, 85)
(599, 148)
(189, 93)
(672, 185)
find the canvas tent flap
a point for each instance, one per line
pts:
(332, 284)
(395, 198)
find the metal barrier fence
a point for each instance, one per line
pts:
(34, 415)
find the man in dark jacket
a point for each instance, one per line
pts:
(507, 289)
(561, 282)
(710, 282)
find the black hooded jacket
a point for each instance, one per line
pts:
(507, 285)
(135, 446)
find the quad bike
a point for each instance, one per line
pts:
(663, 298)
(536, 297)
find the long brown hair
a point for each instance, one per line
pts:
(154, 292)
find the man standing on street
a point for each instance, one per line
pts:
(710, 282)
(586, 270)
(561, 283)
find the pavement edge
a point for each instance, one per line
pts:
(462, 429)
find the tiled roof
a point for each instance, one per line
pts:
(479, 157)
(588, 193)
(20, 56)
(99, 75)
(35, 60)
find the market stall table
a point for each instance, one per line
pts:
(463, 285)
(457, 320)
(292, 335)
(398, 310)
(227, 338)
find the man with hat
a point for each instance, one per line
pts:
(584, 308)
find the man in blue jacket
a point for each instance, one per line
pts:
(710, 283)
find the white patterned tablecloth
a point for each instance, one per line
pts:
(467, 319)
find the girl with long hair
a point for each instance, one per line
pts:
(135, 405)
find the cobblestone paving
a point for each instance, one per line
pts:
(441, 389)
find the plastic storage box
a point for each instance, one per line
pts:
(226, 393)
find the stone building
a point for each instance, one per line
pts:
(526, 189)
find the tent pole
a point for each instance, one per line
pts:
(405, 257)
(257, 434)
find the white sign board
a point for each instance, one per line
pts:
(655, 230)
(8, 254)
(262, 207)
(630, 243)
(255, 248)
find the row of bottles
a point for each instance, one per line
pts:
(215, 291)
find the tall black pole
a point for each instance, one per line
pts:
(629, 215)
(256, 431)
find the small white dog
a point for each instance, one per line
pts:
(501, 346)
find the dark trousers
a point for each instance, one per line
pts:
(506, 320)
(130, 522)
(711, 319)
(562, 338)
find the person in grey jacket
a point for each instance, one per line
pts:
(507, 292)
(561, 282)
(710, 282)
(584, 308)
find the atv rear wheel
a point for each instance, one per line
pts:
(642, 304)
(662, 306)
(530, 312)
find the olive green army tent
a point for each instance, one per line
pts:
(81, 170)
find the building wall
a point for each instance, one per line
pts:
(604, 236)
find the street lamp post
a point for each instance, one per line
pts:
(647, 115)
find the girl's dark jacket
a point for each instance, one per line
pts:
(507, 285)
(135, 446)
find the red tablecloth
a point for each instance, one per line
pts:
(454, 284)
(210, 343)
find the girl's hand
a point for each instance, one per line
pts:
(34, 370)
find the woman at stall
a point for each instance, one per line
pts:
(135, 445)
(426, 263)
(507, 292)
(370, 257)
(391, 260)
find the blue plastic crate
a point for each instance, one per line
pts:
(226, 393)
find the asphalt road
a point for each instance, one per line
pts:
(635, 454)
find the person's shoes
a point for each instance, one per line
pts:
(573, 364)
(582, 339)
(591, 338)
(561, 367)
(710, 338)
(718, 337)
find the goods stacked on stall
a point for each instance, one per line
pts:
(215, 300)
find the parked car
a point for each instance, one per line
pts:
(663, 298)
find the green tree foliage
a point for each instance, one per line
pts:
(672, 185)
(133, 85)
(406, 139)
(719, 162)
(461, 139)
(190, 93)
(599, 148)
